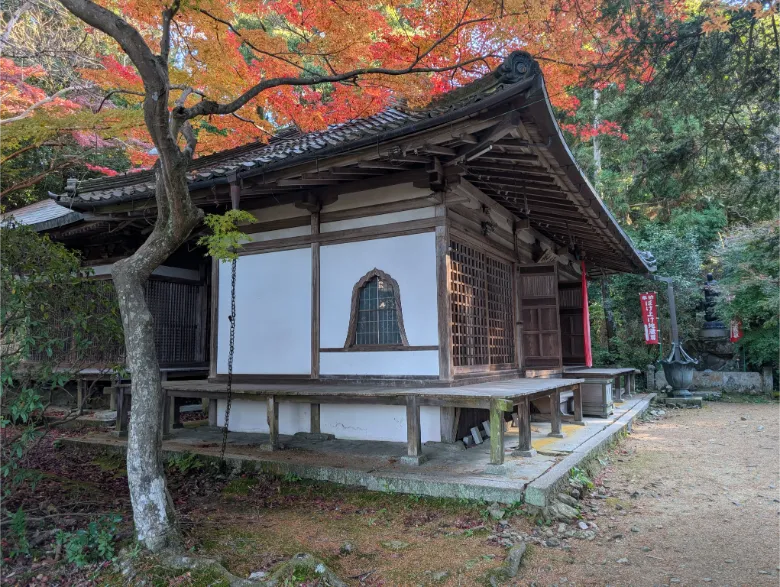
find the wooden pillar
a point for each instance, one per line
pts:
(578, 405)
(315, 299)
(212, 412)
(448, 419)
(214, 318)
(79, 395)
(272, 407)
(413, 432)
(272, 415)
(524, 449)
(168, 405)
(555, 414)
(497, 408)
(315, 419)
(122, 410)
(630, 381)
(443, 299)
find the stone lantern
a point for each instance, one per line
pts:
(679, 365)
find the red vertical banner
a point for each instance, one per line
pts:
(735, 331)
(586, 318)
(650, 316)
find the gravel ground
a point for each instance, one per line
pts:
(689, 499)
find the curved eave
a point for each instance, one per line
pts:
(544, 117)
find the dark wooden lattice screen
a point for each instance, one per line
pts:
(482, 308)
(176, 308)
(178, 335)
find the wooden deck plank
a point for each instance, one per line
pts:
(511, 390)
(599, 372)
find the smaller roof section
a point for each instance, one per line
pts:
(40, 216)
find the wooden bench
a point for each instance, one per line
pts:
(610, 384)
(497, 397)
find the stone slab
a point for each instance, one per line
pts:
(538, 492)
(683, 402)
(451, 471)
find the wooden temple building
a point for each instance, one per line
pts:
(407, 271)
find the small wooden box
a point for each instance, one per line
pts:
(597, 397)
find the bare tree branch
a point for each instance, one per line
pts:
(12, 22)
(208, 107)
(38, 104)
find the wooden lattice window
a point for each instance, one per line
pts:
(376, 318)
(482, 308)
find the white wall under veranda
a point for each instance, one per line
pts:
(411, 261)
(347, 421)
(273, 314)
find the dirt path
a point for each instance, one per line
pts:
(690, 499)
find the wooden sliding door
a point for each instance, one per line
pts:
(537, 287)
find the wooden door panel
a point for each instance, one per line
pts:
(538, 301)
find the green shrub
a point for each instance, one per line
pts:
(91, 545)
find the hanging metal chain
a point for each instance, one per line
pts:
(232, 319)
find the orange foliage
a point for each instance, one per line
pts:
(221, 49)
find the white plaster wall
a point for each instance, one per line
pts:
(380, 363)
(411, 261)
(280, 233)
(250, 416)
(378, 219)
(273, 314)
(347, 421)
(394, 193)
(278, 213)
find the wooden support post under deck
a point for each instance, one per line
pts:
(497, 408)
(555, 414)
(578, 405)
(168, 416)
(122, 411)
(315, 418)
(272, 415)
(448, 420)
(80, 395)
(212, 412)
(414, 454)
(524, 449)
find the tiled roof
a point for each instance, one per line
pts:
(43, 215)
(283, 152)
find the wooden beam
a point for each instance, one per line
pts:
(438, 150)
(380, 165)
(307, 182)
(315, 298)
(443, 296)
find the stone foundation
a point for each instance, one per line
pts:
(728, 381)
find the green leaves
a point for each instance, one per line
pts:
(225, 239)
(750, 288)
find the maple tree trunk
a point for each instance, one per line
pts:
(153, 511)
